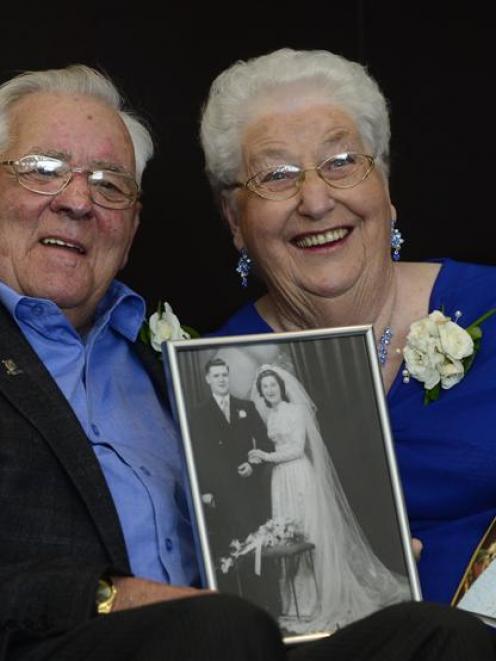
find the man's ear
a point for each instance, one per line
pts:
(231, 215)
(135, 221)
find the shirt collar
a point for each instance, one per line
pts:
(121, 308)
(220, 399)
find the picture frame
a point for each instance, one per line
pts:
(475, 592)
(293, 486)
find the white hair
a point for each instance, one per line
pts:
(234, 92)
(75, 79)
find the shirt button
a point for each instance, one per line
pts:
(38, 310)
(95, 430)
(145, 470)
(168, 543)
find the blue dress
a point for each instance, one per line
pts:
(446, 451)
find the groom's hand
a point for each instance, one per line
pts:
(245, 470)
(208, 499)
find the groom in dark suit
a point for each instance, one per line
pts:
(227, 429)
(235, 493)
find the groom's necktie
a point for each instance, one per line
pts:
(225, 408)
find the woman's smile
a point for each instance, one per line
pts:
(318, 240)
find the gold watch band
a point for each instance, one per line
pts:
(106, 594)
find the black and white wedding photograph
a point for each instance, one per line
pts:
(294, 480)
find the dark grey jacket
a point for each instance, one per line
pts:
(59, 530)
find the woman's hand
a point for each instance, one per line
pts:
(257, 456)
(417, 548)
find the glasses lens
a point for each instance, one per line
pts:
(276, 183)
(346, 170)
(114, 190)
(42, 174)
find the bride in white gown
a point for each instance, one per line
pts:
(347, 580)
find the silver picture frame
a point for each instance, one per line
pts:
(304, 515)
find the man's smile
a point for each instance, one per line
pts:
(56, 242)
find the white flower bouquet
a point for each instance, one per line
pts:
(274, 532)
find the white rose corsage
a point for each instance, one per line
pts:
(439, 352)
(162, 326)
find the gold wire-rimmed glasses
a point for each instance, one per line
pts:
(282, 182)
(47, 175)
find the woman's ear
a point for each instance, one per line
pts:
(394, 215)
(230, 213)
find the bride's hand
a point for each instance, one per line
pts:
(256, 456)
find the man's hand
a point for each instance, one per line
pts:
(245, 470)
(133, 592)
(208, 499)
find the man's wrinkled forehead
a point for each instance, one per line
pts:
(82, 127)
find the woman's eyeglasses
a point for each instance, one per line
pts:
(344, 170)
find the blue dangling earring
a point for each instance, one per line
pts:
(244, 267)
(396, 241)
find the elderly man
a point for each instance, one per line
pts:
(94, 532)
(92, 493)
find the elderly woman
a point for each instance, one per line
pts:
(296, 148)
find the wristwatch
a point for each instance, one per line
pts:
(106, 594)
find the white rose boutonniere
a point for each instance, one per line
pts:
(439, 352)
(241, 413)
(162, 326)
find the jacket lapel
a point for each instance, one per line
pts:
(29, 387)
(153, 363)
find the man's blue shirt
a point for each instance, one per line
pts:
(131, 432)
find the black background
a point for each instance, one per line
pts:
(434, 60)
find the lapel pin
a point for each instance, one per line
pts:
(10, 367)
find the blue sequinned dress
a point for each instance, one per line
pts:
(446, 451)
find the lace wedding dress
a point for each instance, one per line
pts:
(347, 580)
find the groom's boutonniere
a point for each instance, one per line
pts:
(241, 413)
(162, 326)
(439, 352)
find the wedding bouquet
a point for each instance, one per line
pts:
(274, 532)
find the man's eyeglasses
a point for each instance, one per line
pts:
(49, 176)
(284, 181)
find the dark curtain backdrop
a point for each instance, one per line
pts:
(433, 59)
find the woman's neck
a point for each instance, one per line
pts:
(401, 297)
(365, 303)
